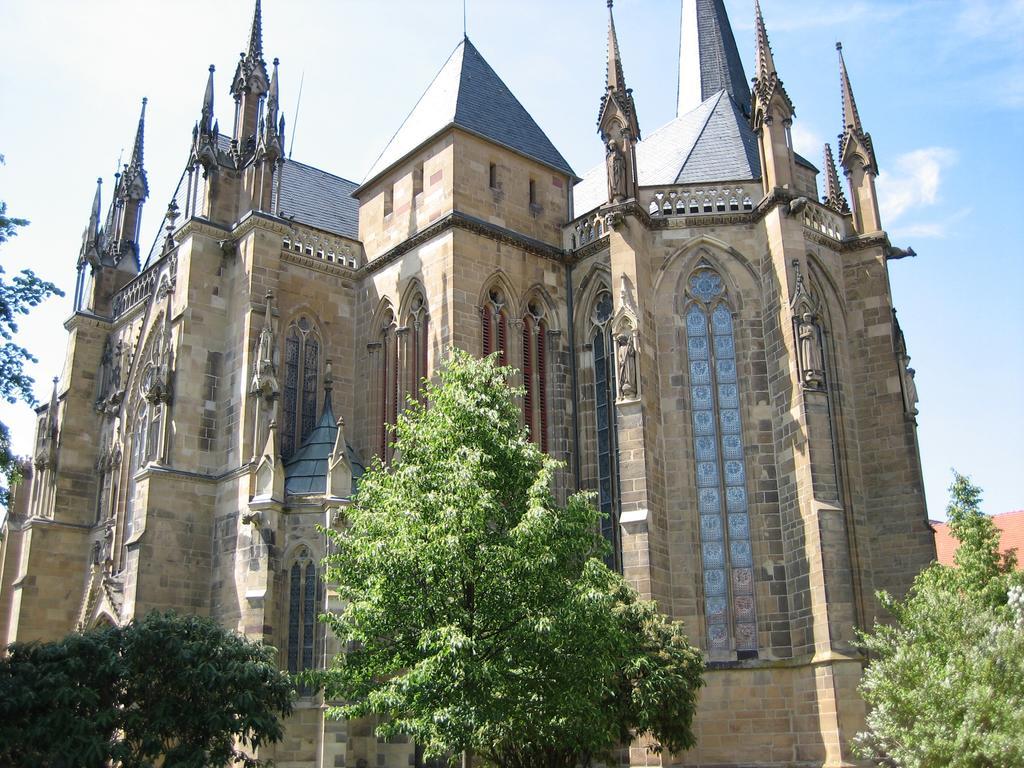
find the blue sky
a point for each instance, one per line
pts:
(939, 84)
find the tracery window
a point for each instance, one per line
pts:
(142, 450)
(305, 595)
(495, 325)
(388, 382)
(416, 357)
(301, 376)
(726, 556)
(535, 374)
(603, 349)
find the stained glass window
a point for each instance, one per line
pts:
(604, 411)
(305, 594)
(389, 383)
(495, 326)
(301, 383)
(418, 324)
(726, 557)
(535, 370)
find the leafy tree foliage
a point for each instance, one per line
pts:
(17, 297)
(946, 679)
(480, 617)
(176, 689)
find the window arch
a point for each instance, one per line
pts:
(302, 352)
(603, 351)
(387, 381)
(535, 372)
(726, 556)
(305, 597)
(418, 324)
(495, 324)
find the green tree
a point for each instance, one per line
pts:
(180, 690)
(945, 683)
(480, 617)
(17, 297)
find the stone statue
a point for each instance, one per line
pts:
(910, 387)
(627, 366)
(616, 163)
(813, 373)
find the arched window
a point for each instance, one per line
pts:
(495, 325)
(305, 597)
(726, 557)
(388, 379)
(301, 377)
(141, 452)
(418, 322)
(602, 345)
(535, 374)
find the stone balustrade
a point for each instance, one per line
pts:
(318, 245)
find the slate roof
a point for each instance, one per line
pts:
(306, 471)
(721, 67)
(712, 143)
(315, 198)
(469, 94)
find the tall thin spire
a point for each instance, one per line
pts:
(133, 183)
(615, 78)
(709, 60)
(140, 134)
(207, 112)
(255, 52)
(834, 198)
(851, 117)
(765, 63)
(853, 134)
(94, 213)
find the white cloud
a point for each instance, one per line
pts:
(1001, 20)
(914, 181)
(930, 230)
(808, 142)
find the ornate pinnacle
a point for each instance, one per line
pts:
(765, 62)
(207, 112)
(853, 131)
(255, 52)
(834, 198)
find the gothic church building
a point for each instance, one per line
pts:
(703, 327)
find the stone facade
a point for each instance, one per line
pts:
(714, 352)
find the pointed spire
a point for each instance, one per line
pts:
(255, 52)
(709, 60)
(615, 79)
(834, 198)
(94, 213)
(140, 133)
(272, 100)
(764, 63)
(851, 117)
(207, 112)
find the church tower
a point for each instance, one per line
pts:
(704, 339)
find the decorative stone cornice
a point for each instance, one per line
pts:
(465, 222)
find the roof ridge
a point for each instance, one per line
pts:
(423, 95)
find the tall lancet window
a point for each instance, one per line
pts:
(535, 374)
(418, 323)
(305, 595)
(301, 379)
(603, 348)
(495, 325)
(721, 473)
(388, 383)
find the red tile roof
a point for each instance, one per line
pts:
(1011, 528)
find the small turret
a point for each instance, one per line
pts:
(618, 125)
(772, 115)
(857, 156)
